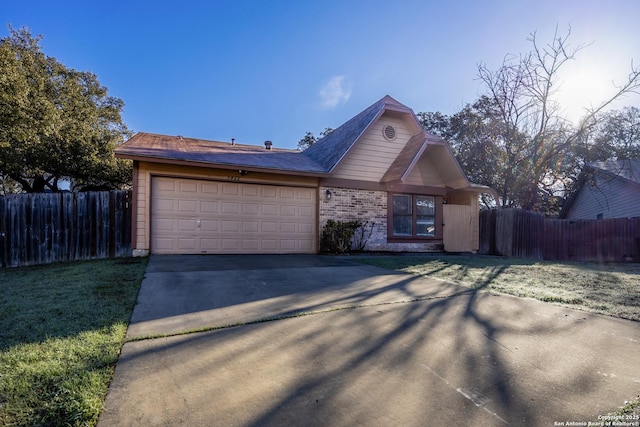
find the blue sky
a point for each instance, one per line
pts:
(273, 70)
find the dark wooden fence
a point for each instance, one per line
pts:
(518, 233)
(53, 227)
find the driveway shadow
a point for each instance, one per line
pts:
(472, 359)
(190, 293)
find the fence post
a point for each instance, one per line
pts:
(3, 231)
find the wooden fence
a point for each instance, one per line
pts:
(518, 233)
(54, 227)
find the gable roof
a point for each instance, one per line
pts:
(411, 154)
(177, 149)
(332, 148)
(318, 160)
(627, 170)
(329, 150)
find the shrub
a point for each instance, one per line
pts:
(343, 236)
(361, 236)
(336, 236)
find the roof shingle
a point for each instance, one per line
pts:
(147, 145)
(627, 169)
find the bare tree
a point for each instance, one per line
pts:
(535, 138)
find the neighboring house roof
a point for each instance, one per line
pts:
(624, 170)
(147, 146)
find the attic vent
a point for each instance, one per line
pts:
(389, 132)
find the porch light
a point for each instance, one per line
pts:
(328, 194)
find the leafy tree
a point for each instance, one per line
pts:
(56, 123)
(309, 139)
(616, 137)
(475, 135)
(514, 138)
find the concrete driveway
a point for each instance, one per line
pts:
(325, 341)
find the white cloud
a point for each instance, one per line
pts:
(336, 91)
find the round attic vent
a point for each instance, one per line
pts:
(389, 132)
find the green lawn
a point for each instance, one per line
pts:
(612, 289)
(61, 330)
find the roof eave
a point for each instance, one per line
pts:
(481, 189)
(415, 159)
(225, 166)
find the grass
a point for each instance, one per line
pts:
(630, 408)
(61, 330)
(611, 289)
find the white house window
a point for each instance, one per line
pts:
(413, 215)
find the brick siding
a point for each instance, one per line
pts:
(366, 206)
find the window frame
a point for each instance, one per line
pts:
(392, 238)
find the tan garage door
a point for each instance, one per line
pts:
(193, 216)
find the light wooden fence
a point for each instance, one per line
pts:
(518, 233)
(54, 227)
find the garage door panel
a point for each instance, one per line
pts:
(165, 244)
(192, 216)
(306, 212)
(250, 208)
(164, 205)
(189, 206)
(230, 208)
(165, 224)
(187, 244)
(269, 210)
(288, 227)
(287, 193)
(287, 210)
(269, 227)
(166, 185)
(188, 186)
(230, 226)
(268, 192)
(288, 244)
(230, 189)
(210, 187)
(209, 207)
(306, 245)
(250, 244)
(269, 245)
(250, 191)
(230, 244)
(211, 245)
(187, 225)
(305, 194)
(209, 225)
(305, 228)
(250, 227)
